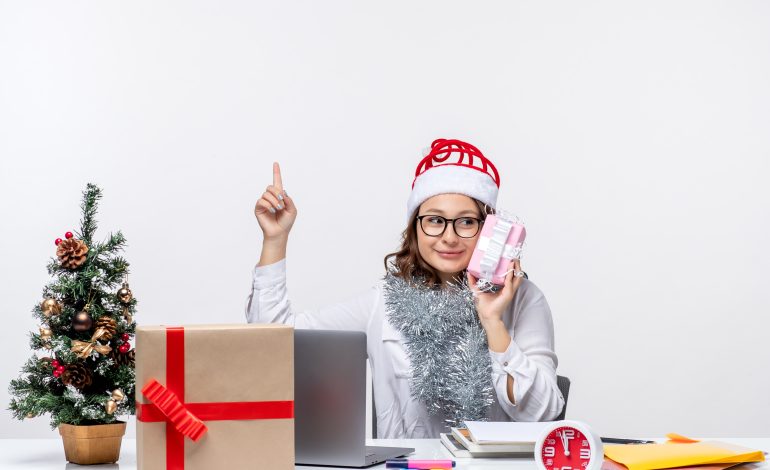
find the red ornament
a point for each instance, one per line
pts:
(124, 348)
(57, 373)
(125, 336)
(55, 364)
(68, 235)
(57, 241)
(60, 368)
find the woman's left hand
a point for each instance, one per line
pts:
(491, 305)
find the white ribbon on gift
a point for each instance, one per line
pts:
(495, 247)
(509, 251)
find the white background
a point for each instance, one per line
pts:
(632, 137)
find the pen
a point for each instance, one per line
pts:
(615, 440)
(420, 464)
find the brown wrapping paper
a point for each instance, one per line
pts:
(223, 363)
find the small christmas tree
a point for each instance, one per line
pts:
(85, 372)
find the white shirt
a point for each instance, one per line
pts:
(530, 358)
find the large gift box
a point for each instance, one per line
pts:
(215, 396)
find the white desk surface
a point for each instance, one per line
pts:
(43, 454)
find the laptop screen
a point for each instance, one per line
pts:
(330, 397)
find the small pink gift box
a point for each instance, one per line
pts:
(500, 242)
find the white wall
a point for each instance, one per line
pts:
(632, 137)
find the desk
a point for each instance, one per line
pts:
(44, 454)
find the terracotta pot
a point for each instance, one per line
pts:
(93, 444)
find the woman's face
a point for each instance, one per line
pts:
(448, 253)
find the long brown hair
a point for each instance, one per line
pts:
(407, 263)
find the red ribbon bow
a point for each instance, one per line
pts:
(168, 404)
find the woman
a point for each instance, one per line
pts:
(440, 351)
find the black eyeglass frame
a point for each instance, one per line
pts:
(446, 224)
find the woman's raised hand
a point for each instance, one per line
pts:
(491, 305)
(275, 210)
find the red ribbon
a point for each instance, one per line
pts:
(186, 419)
(174, 410)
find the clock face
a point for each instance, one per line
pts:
(566, 448)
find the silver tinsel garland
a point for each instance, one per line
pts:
(447, 348)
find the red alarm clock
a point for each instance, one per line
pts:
(569, 445)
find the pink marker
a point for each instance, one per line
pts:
(420, 464)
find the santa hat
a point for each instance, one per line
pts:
(453, 166)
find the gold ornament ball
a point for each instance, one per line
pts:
(118, 395)
(110, 406)
(124, 294)
(50, 307)
(82, 321)
(45, 333)
(30, 415)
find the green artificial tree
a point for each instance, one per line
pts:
(82, 371)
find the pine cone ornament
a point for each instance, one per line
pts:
(121, 359)
(71, 253)
(77, 375)
(109, 325)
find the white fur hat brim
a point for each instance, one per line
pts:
(452, 179)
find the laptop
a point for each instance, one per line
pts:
(330, 401)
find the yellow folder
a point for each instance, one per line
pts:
(670, 455)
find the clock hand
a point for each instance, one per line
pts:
(564, 443)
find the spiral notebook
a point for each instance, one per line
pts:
(510, 449)
(505, 432)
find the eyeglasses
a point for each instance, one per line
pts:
(435, 225)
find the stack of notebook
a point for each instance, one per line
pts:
(493, 439)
